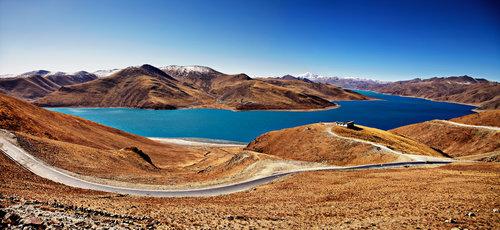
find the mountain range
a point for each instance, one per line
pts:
(172, 87)
(36, 84)
(458, 89)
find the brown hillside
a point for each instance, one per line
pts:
(463, 89)
(313, 143)
(196, 86)
(35, 122)
(487, 118)
(241, 92)
(141, 87)
(324, 90)
(456, 141)
(256, 94)
(90, 149)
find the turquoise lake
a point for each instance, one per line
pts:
(387, 113)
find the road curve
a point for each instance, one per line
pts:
(41, 169)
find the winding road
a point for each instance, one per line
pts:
(38, 167)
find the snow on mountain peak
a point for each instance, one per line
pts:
(310, 76)
(105, 72)
(188, 69)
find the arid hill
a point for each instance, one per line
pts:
(325, 90)
(456, 140)
(488, 118)
(196, 86)
(463, 89)
(36, 84)
(242, 92)
(57, 137)
(90, 149)
(314, 143)
(140, 87)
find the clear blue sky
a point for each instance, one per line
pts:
(388, 40)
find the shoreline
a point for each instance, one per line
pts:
(336, 106)
(201, 142)
(429, 99)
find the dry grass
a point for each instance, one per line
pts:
(487, 117)
(90, 149)
(456, 141)
(313, 143)
(388, 139)
(387, 199)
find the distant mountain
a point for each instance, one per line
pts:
(105, 72)
(141, 87)
(196, 86)
(242, 92)
(36, 84)
(348, 83)
(461, 89)
(185, 71)
(306, 86)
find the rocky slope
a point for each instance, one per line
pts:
(462, 89)
(36, 84)
(196, 86)
(455, 140)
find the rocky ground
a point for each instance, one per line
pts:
(18, 213)
(453, 196)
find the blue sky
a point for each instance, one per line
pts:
(387, 40)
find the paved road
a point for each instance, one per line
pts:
(41, 169)
(492, 128)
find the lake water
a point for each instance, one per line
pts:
(387, 113)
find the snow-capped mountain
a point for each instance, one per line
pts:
(7, 75)
(344, 82)
(188, 69)
(105, 72)
(310, 76)
(192, 71)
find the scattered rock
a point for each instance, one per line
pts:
(32, 214)
(12, 219)
(495, 210)
(35, 221)
(470, 214)
(451, 221)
